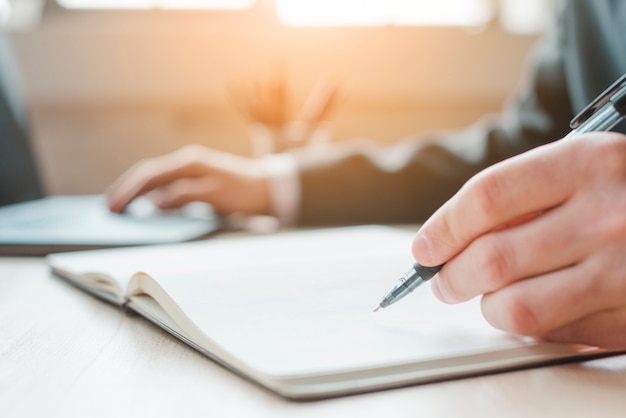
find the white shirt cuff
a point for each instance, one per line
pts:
(284, 187)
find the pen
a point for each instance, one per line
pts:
(606, 111)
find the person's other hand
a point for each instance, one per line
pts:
(228, 182)
(542, 236)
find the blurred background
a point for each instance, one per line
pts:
(108, 82)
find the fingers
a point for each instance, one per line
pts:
(558, 273)
(182, 191)
(605, 329)
(531, 182)
(539, 305)
(498, 259)
(151, 174)
(228, 182)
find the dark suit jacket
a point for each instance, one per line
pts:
(582, 54)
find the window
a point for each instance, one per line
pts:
(387, 12)
(522, 17)
(156, 4)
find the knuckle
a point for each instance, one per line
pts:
(514, 315)
(193, 158)
(487, 191)
(496, 263)
(192, 150)
(521, 318)
(192, 155)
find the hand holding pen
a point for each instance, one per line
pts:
(561, 275)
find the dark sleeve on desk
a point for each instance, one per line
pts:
(409, 181)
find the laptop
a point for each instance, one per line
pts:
(33, 224)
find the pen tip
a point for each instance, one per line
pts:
(377, 308)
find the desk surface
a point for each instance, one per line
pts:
(65, 353)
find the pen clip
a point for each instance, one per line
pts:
(598, 103)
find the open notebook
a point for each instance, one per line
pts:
(293, 311)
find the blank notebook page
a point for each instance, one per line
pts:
(302, 303)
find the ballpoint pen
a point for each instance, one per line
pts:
(606, 111)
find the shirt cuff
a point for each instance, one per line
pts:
(284, 187)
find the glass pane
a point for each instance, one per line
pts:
(154, 4)
(384, 12)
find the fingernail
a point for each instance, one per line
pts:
(421, 250)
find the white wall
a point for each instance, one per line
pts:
(95, 56)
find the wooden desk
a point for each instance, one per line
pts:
(64, 353)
